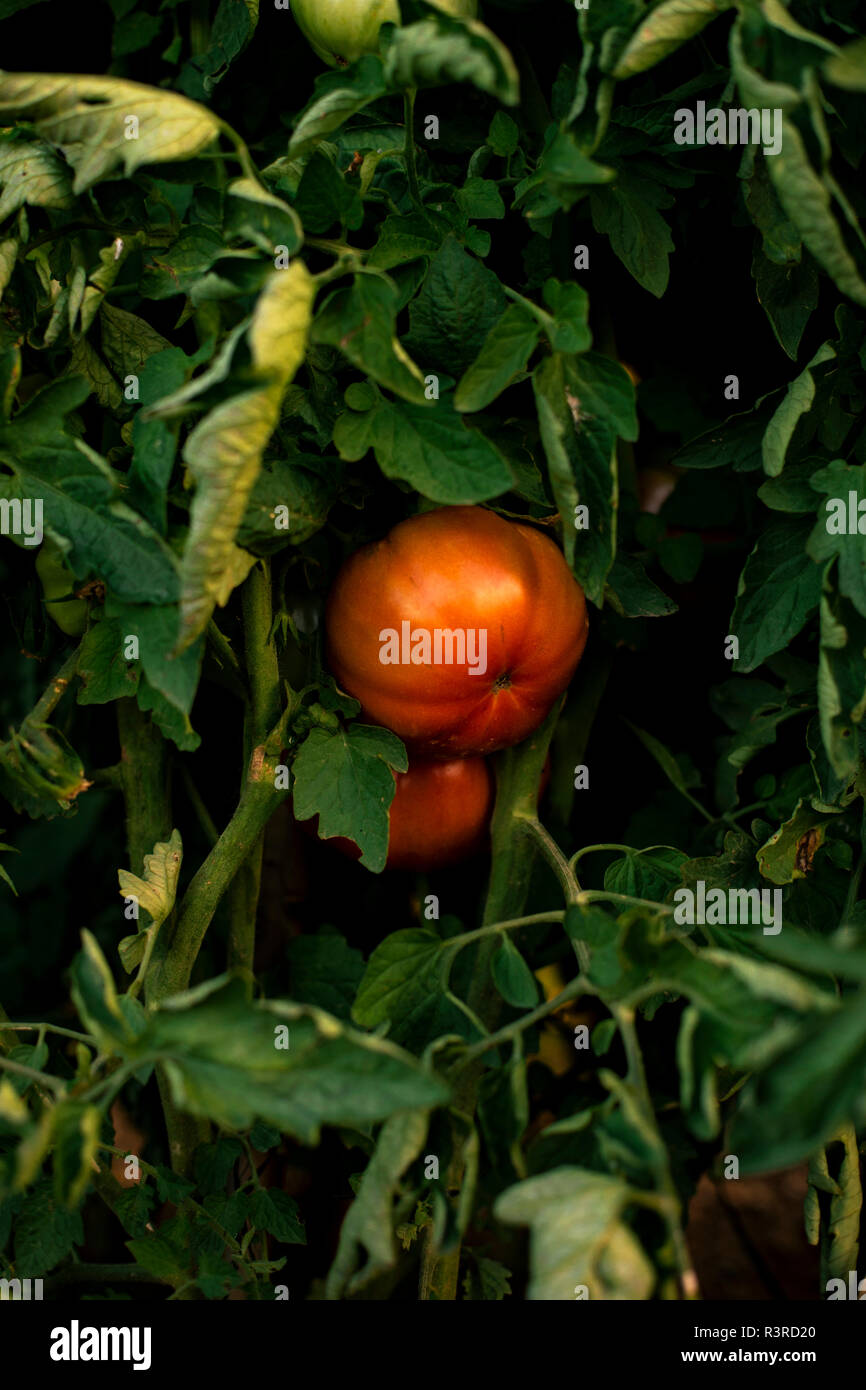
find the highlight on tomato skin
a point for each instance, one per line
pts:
(500, 590)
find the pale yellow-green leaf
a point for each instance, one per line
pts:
(278, 332)
(8, 253)
(224, 451)
(155, 892)
(13, 1110)
(89, 118)
(577, 1238)
(101, 279)
(32, 173)
(253, 191)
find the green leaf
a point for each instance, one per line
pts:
(179, 268)
(486, 1280)
(577, 1237)
(632, 593)
(31, 172)
(307, 484)
(788, 295)
(95, 996)
(325, 971)
(796, 402)
(836, 482)
(224, 451)
(369, 1223)
(788, 853)
(8, 257)
(646, 873)
(504, 355)
(277, 1213)
(88, 119)
(480, 199)
(346, 780)
(154, 441)
(405, 238)
(76, 1136)
(847, 68)
(156, 627)
(80, 499)
(223, 1059)
(583, 403)
(569, 305)
(338, 95)
(841, 683)
(460, 301)
(798, 1104)
(663, 30)
(803, 194)
(629, 214)
(103, 671)
(325, 196)
(45, 1232)
(835, 1201)
(440, 50)
(504, 134)
(429, 447)
(255, 214)
(778, 591)
(401, 974)
(513, 977)
(361, 322)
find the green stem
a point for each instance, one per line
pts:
(40, 1077)
(51, 1028)
(409, 147)
(144, 779)
(578, 986)
(600, 896)
(55, 690)
(263, 676)
(258, 802)
(518, 773)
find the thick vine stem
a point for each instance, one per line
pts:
(259, 800)
(518, 774)
(263, 676)
(144, 780)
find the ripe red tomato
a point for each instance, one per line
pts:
(440, 814)
(458, 631)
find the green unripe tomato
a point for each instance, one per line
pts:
(341, 30)
(58, 583)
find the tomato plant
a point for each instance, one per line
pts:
(327, 500)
